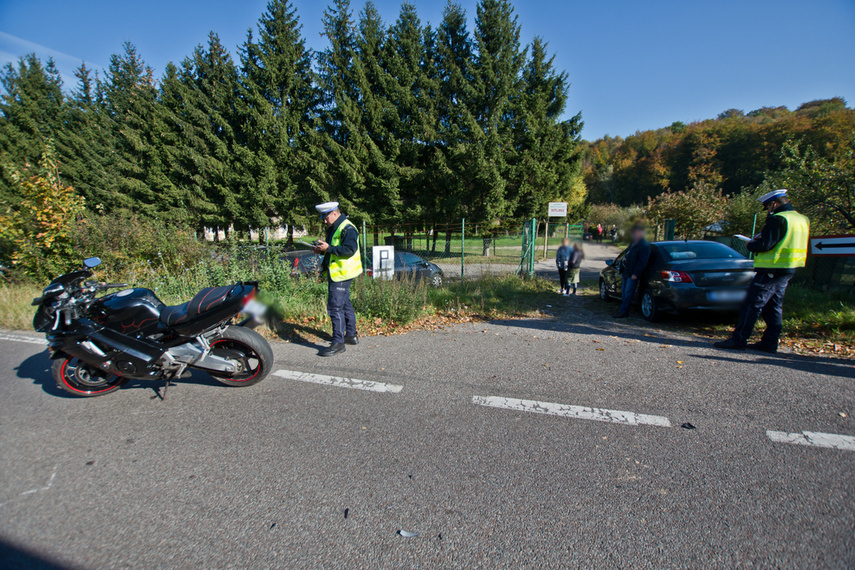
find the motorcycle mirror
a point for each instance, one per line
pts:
(91, 262)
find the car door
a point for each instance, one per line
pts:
(415, 266)
(402, 270)
(612, 275)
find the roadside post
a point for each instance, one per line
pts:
(364, 247)
(670, 227)
(462, 246)
(556, 210)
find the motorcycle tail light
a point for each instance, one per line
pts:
(676, 277)
(248, 298)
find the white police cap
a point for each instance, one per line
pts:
(326, 207)
(769, 196)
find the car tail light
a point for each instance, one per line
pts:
(676, 276)
(296, 262)
(369, 272)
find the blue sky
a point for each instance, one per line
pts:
(633, 65)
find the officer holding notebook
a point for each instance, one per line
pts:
(342, 263)
(778, 250)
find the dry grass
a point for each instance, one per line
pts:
(16, 311)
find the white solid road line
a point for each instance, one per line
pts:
(339, 381)
(27, 339)
(814, 439)
(578, 412)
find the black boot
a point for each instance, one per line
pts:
(354, 340)
(730, 344)
(763, 347)
(334, 348)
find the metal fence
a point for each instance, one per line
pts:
(821, 272)
(460, 249)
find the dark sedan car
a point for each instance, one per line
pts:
(303, 262)
(411, 266)
(685, 275)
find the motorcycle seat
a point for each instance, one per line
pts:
(205, 300)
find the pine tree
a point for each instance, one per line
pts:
(496, 78)
(131, 101)
(456, 125)
(279, 101)
(547, 148)
(404, 58)
(346, 155)
(30, 112)
(86, 145)
(201, 102)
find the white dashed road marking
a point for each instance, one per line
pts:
(339, 381)
(27, 339)
(578, 412)
(814, 439)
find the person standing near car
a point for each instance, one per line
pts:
(562, 262)
(576, 257)
(633, 266)
(779, 249)
(342, 263)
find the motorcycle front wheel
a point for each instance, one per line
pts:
(249, 349)
(79, 378)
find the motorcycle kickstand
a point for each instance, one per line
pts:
(169, 380)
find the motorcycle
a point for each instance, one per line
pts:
(98, 343)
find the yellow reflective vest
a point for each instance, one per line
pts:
(791, 251)
(344, 268)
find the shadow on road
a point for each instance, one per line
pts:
(16, 557)
(617, 329)
(37, 368)
(814, 365)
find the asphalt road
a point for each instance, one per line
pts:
(299, 474)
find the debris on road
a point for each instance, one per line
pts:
(687, 425)
(408, 534)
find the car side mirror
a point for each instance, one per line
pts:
(610, 262)
(91, 262)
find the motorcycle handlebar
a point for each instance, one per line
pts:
(112, 285)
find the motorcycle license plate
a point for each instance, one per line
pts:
(254, 309)
(727, 296)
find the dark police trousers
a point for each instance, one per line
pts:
(340, 310)
(765, 298)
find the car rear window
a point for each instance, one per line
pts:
(708, 250)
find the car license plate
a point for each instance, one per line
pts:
(727, 296)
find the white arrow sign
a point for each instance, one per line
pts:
(833, 245)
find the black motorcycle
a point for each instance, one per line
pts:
(100, 343)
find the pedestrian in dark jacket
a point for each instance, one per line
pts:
(576, 257)
(562, 262)
(634, 264)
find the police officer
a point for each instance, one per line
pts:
(342, 262)
(780, 248)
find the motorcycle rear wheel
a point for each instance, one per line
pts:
(249, 349)
(78, 378)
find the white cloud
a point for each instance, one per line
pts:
(13, 47)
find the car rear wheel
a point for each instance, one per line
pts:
(604, 291)
(650, 308)
(436, 280)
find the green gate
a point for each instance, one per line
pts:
(529, 238)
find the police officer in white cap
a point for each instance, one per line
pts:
(779, 249)
(342, 263)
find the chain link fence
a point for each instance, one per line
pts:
(821, 272)
(458, 248)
